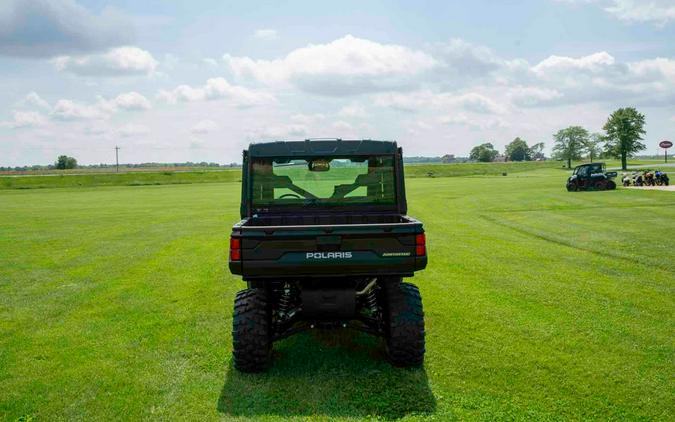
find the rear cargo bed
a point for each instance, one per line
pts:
(285, 246)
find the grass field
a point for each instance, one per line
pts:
(150, 176)
(115, 303)
(93, 179)
(118, 179)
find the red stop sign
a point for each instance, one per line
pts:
(665, 144)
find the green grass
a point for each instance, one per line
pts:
(121, 179)
(92, 179)
(115, 303)
(472, 169)
(141, 177)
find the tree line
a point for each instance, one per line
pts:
(517, 150)
(623, 132)
(64, 162)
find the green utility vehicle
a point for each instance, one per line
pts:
(324, 242)
(592, 176)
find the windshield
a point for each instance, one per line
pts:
(365, 180)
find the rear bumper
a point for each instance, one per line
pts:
(298, 265)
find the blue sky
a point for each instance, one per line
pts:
(198, 80)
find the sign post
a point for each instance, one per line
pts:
(665, 145)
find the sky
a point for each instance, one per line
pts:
(200, 80)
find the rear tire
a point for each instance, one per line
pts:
(404, 324)
(611, 185)
(251, 331)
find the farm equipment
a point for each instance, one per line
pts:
(324, 243)
(591, 176)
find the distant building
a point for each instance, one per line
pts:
(499, 159)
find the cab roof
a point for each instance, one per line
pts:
(322, 148)
(589, 164)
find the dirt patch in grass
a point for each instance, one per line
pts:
(668, 188)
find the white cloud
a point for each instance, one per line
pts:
(204, 127)
(132, 130)
(455, 119)
(593, 63)
(96, 129)
(131, 101)
(266, 34)
(121, 61)
(44, 28)
(196, 143)
(466, 60)
(425, 99)
(659, 12)
(25, 119)
(342, 126)
(477, 103)
(532, 96)
(71, 110)
(102, 109)
(210, 61)
(278, 132)
(346, 66)
(217, 89)
(353, 110)
(600, 77)
(33, 99)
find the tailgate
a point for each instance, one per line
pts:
(331, 250)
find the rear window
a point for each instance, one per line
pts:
(367, 180)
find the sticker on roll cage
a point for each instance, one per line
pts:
(328, 255)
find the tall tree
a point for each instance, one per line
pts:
(537, 151)
(624, 128)
(569, 143)
(592, 145)
(64, 162)
(518, 150)
(484, 152)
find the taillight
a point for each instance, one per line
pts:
(235, 249)
(420, 245)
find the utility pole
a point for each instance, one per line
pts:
(117, 159)
(665, 145)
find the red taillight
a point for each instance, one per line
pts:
(235, 249)
(235, 243)
(235, 254)
(420, 245)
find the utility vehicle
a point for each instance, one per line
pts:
(324, 243)
(592, 176)
(661, 178)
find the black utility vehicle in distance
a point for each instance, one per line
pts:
(324, 242)
(591, 177)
